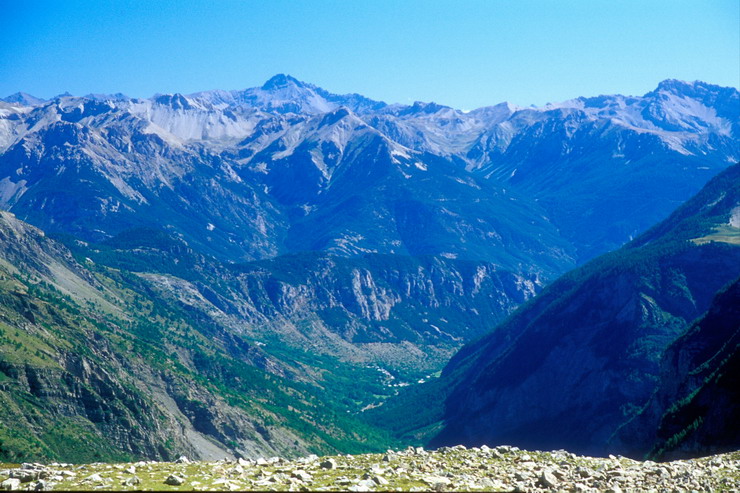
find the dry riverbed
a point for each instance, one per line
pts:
(447, 469)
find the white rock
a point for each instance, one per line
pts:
(302, 475)
(363, 485)
(134, 481)
(93, 478)
(432, 480)
(174, 480)
(379, 480)
(10, 484)
(548, 479)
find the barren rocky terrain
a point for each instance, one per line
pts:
(502, 468)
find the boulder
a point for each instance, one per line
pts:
(174, 480)
(10, 484)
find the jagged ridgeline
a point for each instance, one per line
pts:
(289, 167)
(606, 358)
(259, 272)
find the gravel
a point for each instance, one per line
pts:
(457, 468)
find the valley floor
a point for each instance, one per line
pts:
(502, 468)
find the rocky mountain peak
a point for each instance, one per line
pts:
(177, 101)
(420, 107)
(23, 99)
(333, 117)
(281, 81)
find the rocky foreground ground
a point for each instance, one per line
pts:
(447, 469)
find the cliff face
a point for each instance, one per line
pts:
(705, 418)
(375, 307)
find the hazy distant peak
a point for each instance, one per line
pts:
(281, 81)
(108, 97)
(422, 107)
(24, 99)
(335, 115)
(65, 94)
(678, 86)
(176, 101)
(696, 89)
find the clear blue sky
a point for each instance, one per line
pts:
(461, 53)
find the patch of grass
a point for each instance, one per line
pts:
(723, 234)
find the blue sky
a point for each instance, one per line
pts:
(464, 54)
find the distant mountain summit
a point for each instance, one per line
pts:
(284, 94)
(281, 81)
(23, 99)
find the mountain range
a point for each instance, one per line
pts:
(252, 174)
(336, 251)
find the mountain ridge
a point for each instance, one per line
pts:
(611, 319)
(574, 162)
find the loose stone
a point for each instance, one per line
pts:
(548, 479)
(174, 480)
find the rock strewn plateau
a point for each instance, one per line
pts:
(502, 468)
